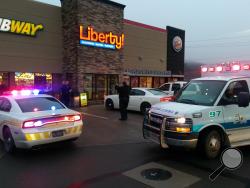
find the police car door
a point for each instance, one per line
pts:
(234, 116)
(135, 99)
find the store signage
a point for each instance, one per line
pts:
(100, 40)
(135, 72)
(19, 27)
(177, 44)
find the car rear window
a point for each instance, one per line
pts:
(156, 92)
(38, 104)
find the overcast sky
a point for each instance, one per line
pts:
(216, 30)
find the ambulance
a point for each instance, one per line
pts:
(209, 113)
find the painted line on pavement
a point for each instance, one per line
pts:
(93, 115)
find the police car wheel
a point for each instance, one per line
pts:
(212, 144)
(109, 104)
(9, 144)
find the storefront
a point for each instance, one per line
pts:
(87, 42)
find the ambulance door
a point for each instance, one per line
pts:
(234, 123)
(244, 113)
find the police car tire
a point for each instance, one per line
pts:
(109, 104)
(207, 141)
(9, 144)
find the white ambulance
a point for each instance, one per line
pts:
(209, 113)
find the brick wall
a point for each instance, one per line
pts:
(104, 16)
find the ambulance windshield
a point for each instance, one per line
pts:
(201, 92)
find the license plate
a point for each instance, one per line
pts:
(57, 133)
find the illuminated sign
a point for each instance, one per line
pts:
(19, 27)
(100, 40)
(177, 44)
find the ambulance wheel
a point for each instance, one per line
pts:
(9, 144)
(109, 104)
(212, 144)
(144, 107)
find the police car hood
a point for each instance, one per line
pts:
(176, 109)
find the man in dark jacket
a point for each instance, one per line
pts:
(123, 92)
(66, 93)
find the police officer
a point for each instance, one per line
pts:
(123, 92)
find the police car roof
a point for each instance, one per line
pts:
(221, 78)
(25, 96)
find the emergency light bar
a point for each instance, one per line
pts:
(23, 92)
(226, 69)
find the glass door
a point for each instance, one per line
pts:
(100, 86)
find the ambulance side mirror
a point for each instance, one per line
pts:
(243, 99)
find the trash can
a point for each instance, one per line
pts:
(83, 99)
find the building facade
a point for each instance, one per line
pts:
(87, 42)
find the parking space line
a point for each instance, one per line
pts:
(93, 115)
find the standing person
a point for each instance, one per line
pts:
(65, 93)
(123, 92)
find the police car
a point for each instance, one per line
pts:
(209, 113)
(29, 119)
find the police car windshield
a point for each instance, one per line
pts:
(35, 104)
(201, 92)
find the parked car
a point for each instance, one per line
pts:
(140, 99)
(172, 87)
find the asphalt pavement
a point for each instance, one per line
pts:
(112, 154)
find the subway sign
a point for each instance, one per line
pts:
(90, 37)
(19, 27)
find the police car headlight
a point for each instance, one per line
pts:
(181, 120)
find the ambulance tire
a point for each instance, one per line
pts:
(9, 143)
(212, 144)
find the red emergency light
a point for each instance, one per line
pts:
(219, 68)
(236, 67)
(246, 67)
(204, 69)
(211, 69)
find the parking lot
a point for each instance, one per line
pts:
(112, 153)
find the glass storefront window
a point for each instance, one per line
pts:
(1, 78)
(156, 82)
(49, 82)
(134, 81)
(149, 82)
(143, 81)
(24, 80)
(146, 82)
(88, 79)
(100, 86)
(162, 81)
(112, 82)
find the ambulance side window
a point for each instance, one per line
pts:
(231, 94)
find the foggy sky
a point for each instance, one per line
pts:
(216, 30)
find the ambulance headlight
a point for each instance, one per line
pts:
(181, 120)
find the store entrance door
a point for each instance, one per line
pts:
(100, 86)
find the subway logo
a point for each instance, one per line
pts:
(19, 27)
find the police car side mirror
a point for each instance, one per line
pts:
(243, 99)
